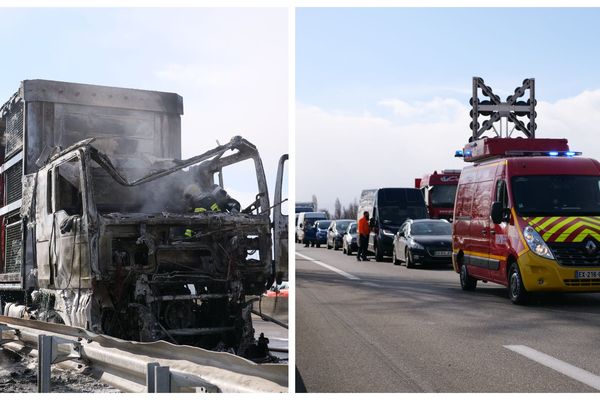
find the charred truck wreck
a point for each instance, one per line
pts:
(105, 228)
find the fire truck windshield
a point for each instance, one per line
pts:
(442, 196)
(556, 195)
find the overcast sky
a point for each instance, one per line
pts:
(383, 94)
(229, 65)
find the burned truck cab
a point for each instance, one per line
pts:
(143, 245)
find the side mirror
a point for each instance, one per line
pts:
(496, 212)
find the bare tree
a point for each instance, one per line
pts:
(350, 211)
(337, 214)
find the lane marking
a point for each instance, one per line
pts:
(334, 269)
(564, 368)
(371, 284)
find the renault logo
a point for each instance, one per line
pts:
(591, 247)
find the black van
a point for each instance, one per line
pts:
(388, 209)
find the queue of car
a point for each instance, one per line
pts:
(417, 241)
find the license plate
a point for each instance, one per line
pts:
(587, 274)
(442, 253)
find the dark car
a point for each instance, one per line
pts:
(336, 232)
(423, 241)
(350, 238)
(321, 231)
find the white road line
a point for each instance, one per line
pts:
(569, 370)
(371, 284)
(334, 269)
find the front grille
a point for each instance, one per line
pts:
(13, 248)
(14, 129)
(14, 185)
(575, 254)
(582, 282)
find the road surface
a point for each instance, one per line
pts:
(377, 327)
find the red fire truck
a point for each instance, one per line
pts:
(439, 190)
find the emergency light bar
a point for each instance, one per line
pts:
(488, 148)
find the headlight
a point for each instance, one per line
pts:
(387, 233)
(536, 243)
(415, 245)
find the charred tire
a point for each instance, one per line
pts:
(409, 260)
(516, 291)
(378, 254)
(395, 259)
(467, 282)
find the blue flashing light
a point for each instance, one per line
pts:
(458, 153)
(553, 153)
(468, 153)
(570, 153)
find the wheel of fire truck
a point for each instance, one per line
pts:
(516, 291)
(395, 259)
(467, 282)
(409, 260)
(378, 254)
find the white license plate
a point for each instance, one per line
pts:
(587, 274)
(442, 253)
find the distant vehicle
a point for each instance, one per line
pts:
(305, 206)
(423, 241)
(305, 228)
(349, 240)
(336, 232)
(321, 227)
(439, 191)
(388, 209)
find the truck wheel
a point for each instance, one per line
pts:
(467, 282)
(378, 254)
(516, 291)
(395, 259)
(409, 261)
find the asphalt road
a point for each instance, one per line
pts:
(377, 327)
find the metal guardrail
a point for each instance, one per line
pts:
(141, 367)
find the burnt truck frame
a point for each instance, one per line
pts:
(107, 252)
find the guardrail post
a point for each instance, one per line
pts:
(44, 363)
(150, 380)
(162, 379)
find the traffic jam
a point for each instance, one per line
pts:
(524, 213)
(500, 289)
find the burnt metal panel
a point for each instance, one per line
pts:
(13, 135)
(101, 96)
(14, 248)
(14, 187)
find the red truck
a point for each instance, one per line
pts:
(527, 216)
(439, 190)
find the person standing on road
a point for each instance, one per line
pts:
(363, 237)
